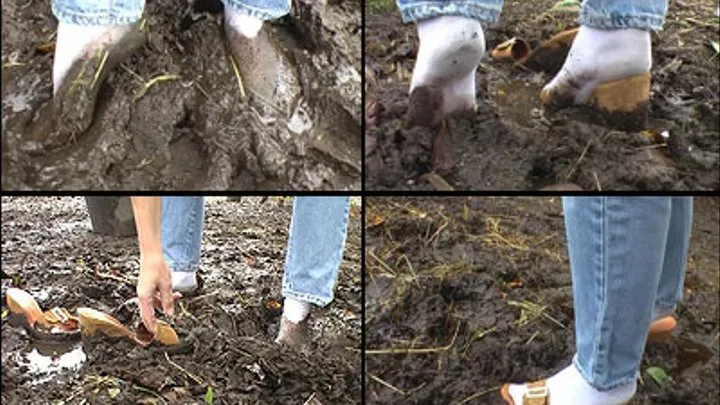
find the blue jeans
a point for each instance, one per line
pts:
(628, 257)
(314, 251)
(119, 12)
(607, 14)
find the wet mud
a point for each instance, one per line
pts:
(191, 128)
(480, 288)
(514, 142)
(226, 329)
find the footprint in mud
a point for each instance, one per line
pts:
(689, 354)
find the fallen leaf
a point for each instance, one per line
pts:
(658, 375)
(209, 395)
(377, 220)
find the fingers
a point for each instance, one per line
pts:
(147, 311)
(166, 298)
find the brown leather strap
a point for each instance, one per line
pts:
(537, 394)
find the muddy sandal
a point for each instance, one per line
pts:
(74, 102)
(661, 330)
(54, 324)
(93, 320)
(537, 394)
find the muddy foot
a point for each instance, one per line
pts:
(74, 101)
(293, 334)
(266, 70)
(425, 107)
(442, 160)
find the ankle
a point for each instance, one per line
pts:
(296, 311)
(243, 24)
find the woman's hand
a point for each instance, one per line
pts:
(154, 285)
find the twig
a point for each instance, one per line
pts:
(309, 399)
(387, 384)
(189, 374)
(200, 297)
(410, 350)
(532, 337)
(239, 78)
(440, 229)
(597, 181)
(151, 392)
(155, 80)
(574, 166)
(478, 395)
(382, 263)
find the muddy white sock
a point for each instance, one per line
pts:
(598, 56)
(296, 311)
(75, 41)
(450, 49)
(243, 23)
(568, 387)
(183, 281)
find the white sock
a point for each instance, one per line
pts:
(598, 56)
(243, 23)
(568, 387)
(450, 50)
(296, 311)
(76, 41)
(183, 281)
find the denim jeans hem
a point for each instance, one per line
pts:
(646, 22)
(424, 10)
(288, 292)
(255, 12)
(661, 307)
(607, 386)
(184, 267)
(108, 17)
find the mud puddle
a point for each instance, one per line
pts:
(205, 135)
(226, 330)
(480, 290)
(513, 143)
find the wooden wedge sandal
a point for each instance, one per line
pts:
(661, 330)
(93, 320)
(54, 324)
(537, 394)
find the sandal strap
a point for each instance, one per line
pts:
(537, 394)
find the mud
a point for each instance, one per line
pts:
(227, 330)
(513, 142)
(193, 131)
(444, 266)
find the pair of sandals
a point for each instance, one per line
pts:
(660, 331)
(58, 324)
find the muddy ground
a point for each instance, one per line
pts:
(442, 267)
(226, 331)
(194, 132)
(514, 143)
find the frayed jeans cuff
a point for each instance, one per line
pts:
(646, 22)
(184, 267)
(471, 9)
(309, 298)
(108, 17)
(607, 386)
(662, 310)
(255, 12)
